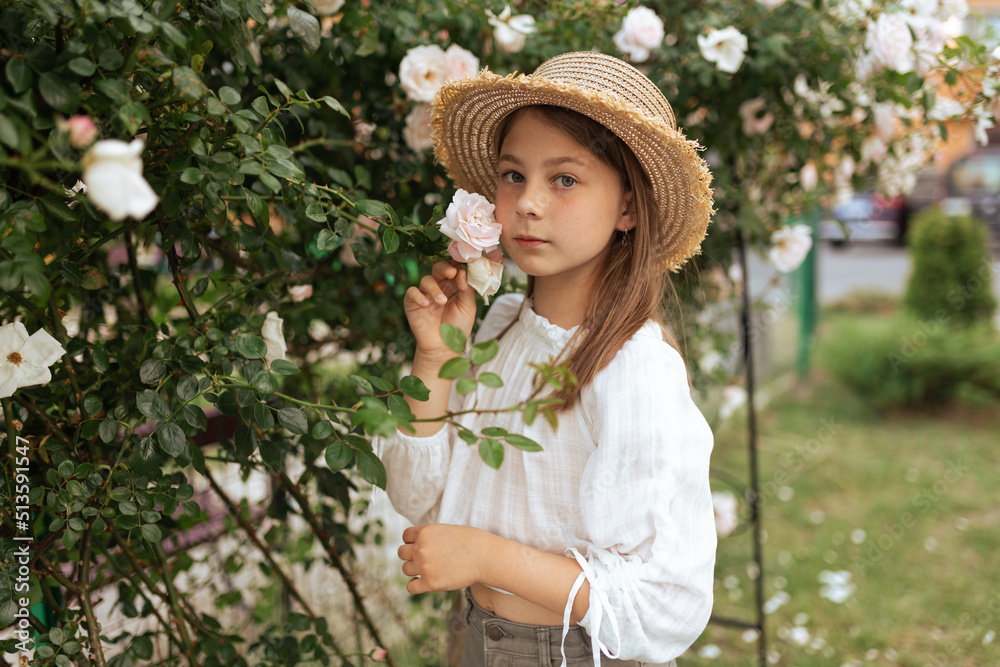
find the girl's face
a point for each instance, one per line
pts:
(558, 203)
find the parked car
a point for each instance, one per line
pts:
(866, 216)
(974, 186)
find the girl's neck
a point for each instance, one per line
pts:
(562, 303)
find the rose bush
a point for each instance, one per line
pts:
(283, 146)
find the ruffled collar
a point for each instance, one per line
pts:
(541, 330)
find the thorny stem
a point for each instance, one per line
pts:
(175, 271)
(133, 266)
(324, 539)
(93, 628)
(8, 415)
(252, 534)
(174, 605)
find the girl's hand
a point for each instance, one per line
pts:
(443, 296)
(442, 557)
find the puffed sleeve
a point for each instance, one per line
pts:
(417, 467)
(646, 508)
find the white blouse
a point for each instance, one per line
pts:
(621, 485)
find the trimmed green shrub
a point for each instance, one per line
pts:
(952, 275)
(900, 361)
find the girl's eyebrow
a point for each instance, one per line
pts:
(551, 162)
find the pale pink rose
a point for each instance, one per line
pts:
(418, 132)
(300, 292)
(726, 48)
(82, 131)
(753, 121)
(641, 32)
(363, 131)
(378, 655)
(470, 220)
(890, 44)
(726, 507)
(460, 63)
(422, 71)
(484, 277)
(460, 251)
(789, 247)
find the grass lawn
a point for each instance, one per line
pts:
(903, 506)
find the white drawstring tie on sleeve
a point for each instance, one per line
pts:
(599, 604)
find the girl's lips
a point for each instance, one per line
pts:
(528, 242)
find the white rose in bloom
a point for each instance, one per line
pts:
(725, 48)
(641, 32)
(271, 332)
(418, 132)
(511, 32)
(929, 45)
(733, 398)
(884, 115)
(460, 63)
(890, 43)
(422, 71)
(300, 292)
(726, 508)
(112, 172)
(789, 247)
(957, 8)
(24, 359)
(484, 276)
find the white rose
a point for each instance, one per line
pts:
(484, 276)
(460, 63)
(641, 32)
(271, 332)
(884, 116)
(470, 222)
(422, 71)
(945, 108)
(726, 48)
(726, 507)
(418, 132)
(511, 32)
(300, 292)
(24, 359)
(789, 247)
(112, 172)
(808, 176)
(890, 44)
(930, 42)
(873, 149)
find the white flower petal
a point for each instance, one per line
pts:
(271, 332)
(12, 338)
(8, 378)
(41, 349)
(29, 374)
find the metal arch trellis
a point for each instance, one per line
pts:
(752, 491)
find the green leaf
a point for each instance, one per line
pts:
(362, 383)
(151, 532)
(294, 420)
(172, 439)
(192, 175)
(305, 27)
(336, 106)
(175, 36)
(491, 380)
(82, 66)
(58, 93)
(327, 241)
(483, 352)
(19, 74)
(316, 212)
(57, 636)
(89, 429)
(187, 388)
(465, 385)
(245, 440)
(371, 468)
(454, 368)
(453, 337)
(468, 436)
(188, 84)
(373, 208)
(415, 388)
(108, 430)
(494, 432)
(92, 404)
(399, 407)
(250, 346)
(522, 442)
(262, 416)
(491, 451)
(128, 508)
(283, 367)
(110, 59)
(120, 493)
(266, 382)
(380, 384)
(390, 241)
(338, 455)
(151, 404)
(8, 132)
(229, 96)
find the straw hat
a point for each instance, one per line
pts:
(466, 114)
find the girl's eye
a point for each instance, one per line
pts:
(566, 181)
(512, 177)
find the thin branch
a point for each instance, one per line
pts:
(174, 605)
(133, 266)
(331, 552)
(175, 272)
(93, 628)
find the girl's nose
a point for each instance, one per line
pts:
(531, 203)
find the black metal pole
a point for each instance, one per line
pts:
(753, 493)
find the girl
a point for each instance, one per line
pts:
(605, 540)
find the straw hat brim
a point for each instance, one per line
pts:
(466, 113)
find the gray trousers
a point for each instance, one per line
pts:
(491, 641)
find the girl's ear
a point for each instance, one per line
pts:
(627, 220)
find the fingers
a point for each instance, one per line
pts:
(410, 535)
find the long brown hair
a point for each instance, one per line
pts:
(630, 288)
